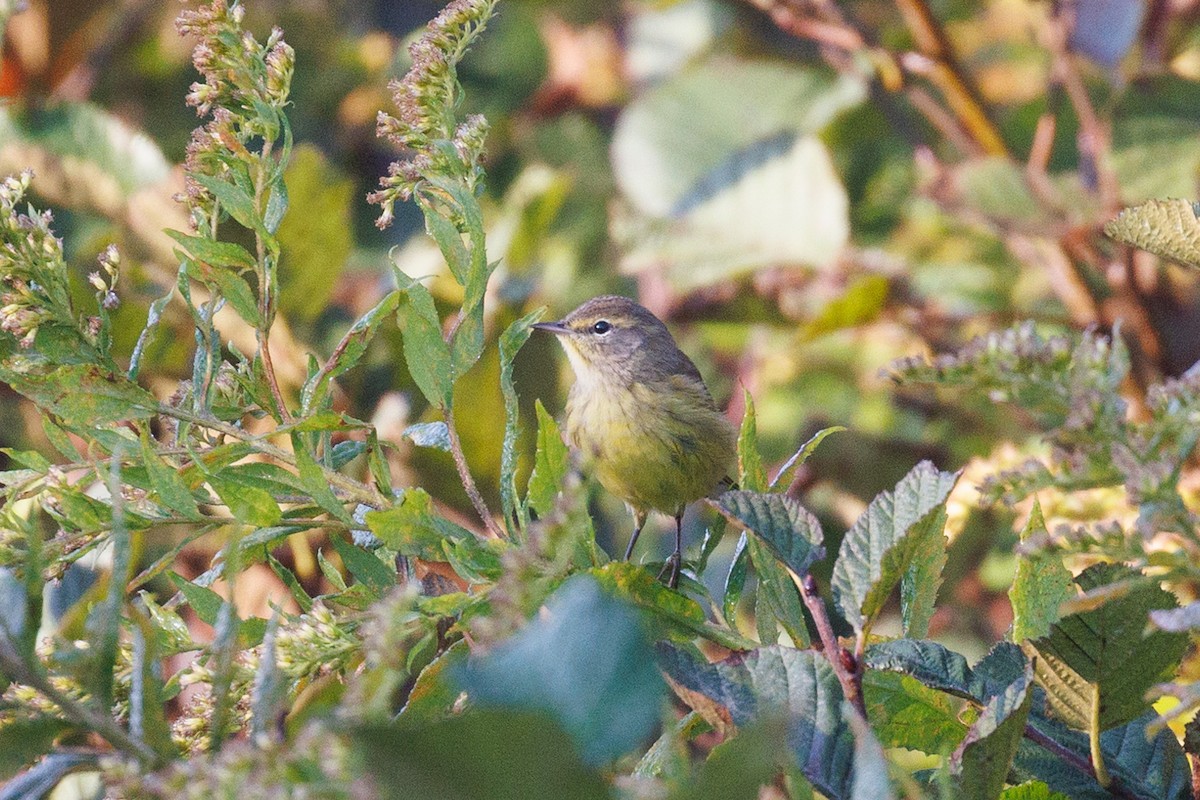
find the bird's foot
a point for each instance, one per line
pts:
(671, 568)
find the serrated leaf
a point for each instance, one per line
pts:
(429, 434)
(981, 763)
(880, 547)
(425, 351)
(906, 713)
(511, 341)
(1177, 620)
(168, 485)
(412, 528)
(930, 663)
(765, 683)
(1166, 228)
(1041, 585)
(586, 662)
(550, 464)
(1105, 650)
(789, 530)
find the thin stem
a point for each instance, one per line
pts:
(21, 672)
(468, 482)
(1072, 759)
(848, 675)
(266, 290)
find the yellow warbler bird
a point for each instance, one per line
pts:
(640, 414)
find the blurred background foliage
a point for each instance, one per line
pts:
(806, 190)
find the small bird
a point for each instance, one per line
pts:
(640, 414)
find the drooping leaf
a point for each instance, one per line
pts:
(735, 579)
(1040, 586)
(79, 393)
(587, 664)
(788, 529)
(1103, 656)
(879, 549)
(550, 464)
(765, 683)
(777, 599)
(349, 351)
(511, 341)
(481, 755)
(930, 663)
(981, 763)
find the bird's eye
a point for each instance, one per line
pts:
(602, 327)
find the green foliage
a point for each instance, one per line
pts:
(505, 655)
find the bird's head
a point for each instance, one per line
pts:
(612, 336)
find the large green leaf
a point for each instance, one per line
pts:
(981, 763)
(1040, 586)
(929, 663)
(1104, 655)
(84, 394)
(481, 755)
(586, 663)
(550, 464)
(316, 235)
(412, 528)
(788, 529)
(769, 682)
(880, 548)
(905, 713)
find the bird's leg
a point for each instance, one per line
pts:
(639, 521)
(677, 556)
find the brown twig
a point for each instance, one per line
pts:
(849, 675)
(468, 482)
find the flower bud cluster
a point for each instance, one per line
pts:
(426, 99)
(245, 89)
(33, 275)
(315, 643)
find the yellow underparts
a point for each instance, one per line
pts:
(654, 447)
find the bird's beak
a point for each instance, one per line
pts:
(556, 328)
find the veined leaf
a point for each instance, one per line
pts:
(906, 713)
(1040, 586)
(510, 342)
(1167, 228)
(227, 255)
(412, 528)
(167, 483)
(879, 549)
(788, 529)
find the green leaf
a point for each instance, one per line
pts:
(147, 709)
(450, 241)
(777, 599)
(429, 434)
(84, 394)
(434, 691)
(930, 663)
(514, 336)
(981, 763)
(587, 663)
(870, 777)
(752, 476)
(235, 201)
(330, 572)
(23, 741)
(349, 351)
(236, 291)
(783, 478)
(204, 601)
(765, 683)
(289, 580)
(249, 505)
(1042, 584)
(859, 304)
(1105, 650)
(881, 546)
(906, 713)
(221, 255)
(735, 579)
(790, 531)
(269, 696)
(411, 527)
(60, 440)
(1166, 228)
(550, 464)
(425, 351)
(737, 768)
(479, 755)
(365, 567)
(316, 236)
(921, 581)
(1031, 790)
(316, 485)
(168, 485)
